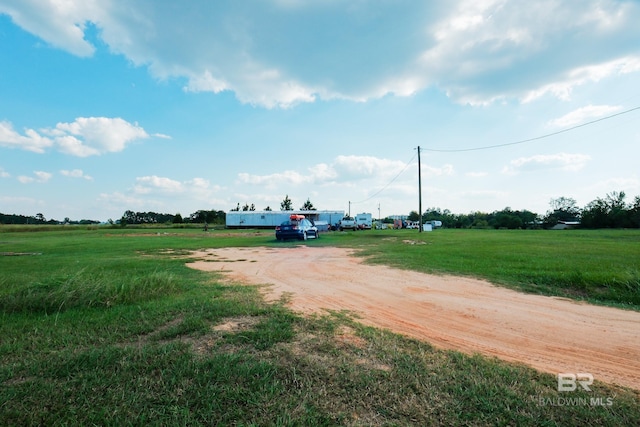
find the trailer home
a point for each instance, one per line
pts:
(269, 219)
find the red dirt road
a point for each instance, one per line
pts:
(550, 334)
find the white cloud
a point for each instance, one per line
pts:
(283, 52)
(445, 170)
(198, 188)
(562, 161)
(148, 184)
(366, 167)
(630, 184)
(86, 136)
(96, 135)
(61, 23)
(30, 141)
(347, 170)
(563, 85)
(76, 173)
(272, 181)
(584, 114)
(4, 174)
(118, 202)
(161, 136)
(39, 177)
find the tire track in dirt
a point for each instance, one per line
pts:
(554, 335)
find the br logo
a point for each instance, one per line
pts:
(569, 382)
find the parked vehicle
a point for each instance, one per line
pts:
(347, 223)
(297, 227)
(364, 221)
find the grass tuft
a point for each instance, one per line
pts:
(83, 289)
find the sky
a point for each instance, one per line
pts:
(173, 107)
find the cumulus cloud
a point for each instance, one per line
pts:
(272, 181)
(38, 177)
(279, 53)
(148, 184)
(60, 23)
(76, 173)
(86, 136)
(163, 186)
(362, 167)
(344, 169)
(562, 86)
(497, 49)
(119, 202)
(584, 114)
(30, 141)
(4, 174)
(561, 161)
(366, 175)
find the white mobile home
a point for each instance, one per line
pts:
(269, 219)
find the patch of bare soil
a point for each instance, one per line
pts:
(555, 335)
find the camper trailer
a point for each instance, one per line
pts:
(364, 221)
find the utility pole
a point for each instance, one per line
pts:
(419, 192)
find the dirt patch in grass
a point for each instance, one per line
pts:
(236, 324)
(554, 335)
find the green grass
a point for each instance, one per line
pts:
(108, 326)
(601, 266)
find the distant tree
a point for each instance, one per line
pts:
(634, 212)
(286, 204)
(610, 212)
(211, 217)
(562, 209)
(413, 216)
(595, 214)
(40, 218)
(506, 218)
(308, 206)
(618, 209)
(177, 218)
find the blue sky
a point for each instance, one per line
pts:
(172, 107)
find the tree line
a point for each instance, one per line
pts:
(40, 219)
(285, 205)
(212, 217)
(611, 211)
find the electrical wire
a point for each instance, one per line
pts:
(488, 147)
(389, 183)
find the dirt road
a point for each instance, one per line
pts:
(550, 334)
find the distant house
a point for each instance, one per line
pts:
(565, 225)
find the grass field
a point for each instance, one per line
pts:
(108, 326)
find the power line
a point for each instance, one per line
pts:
(389, 183)
(487, 147)
(493, 146)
